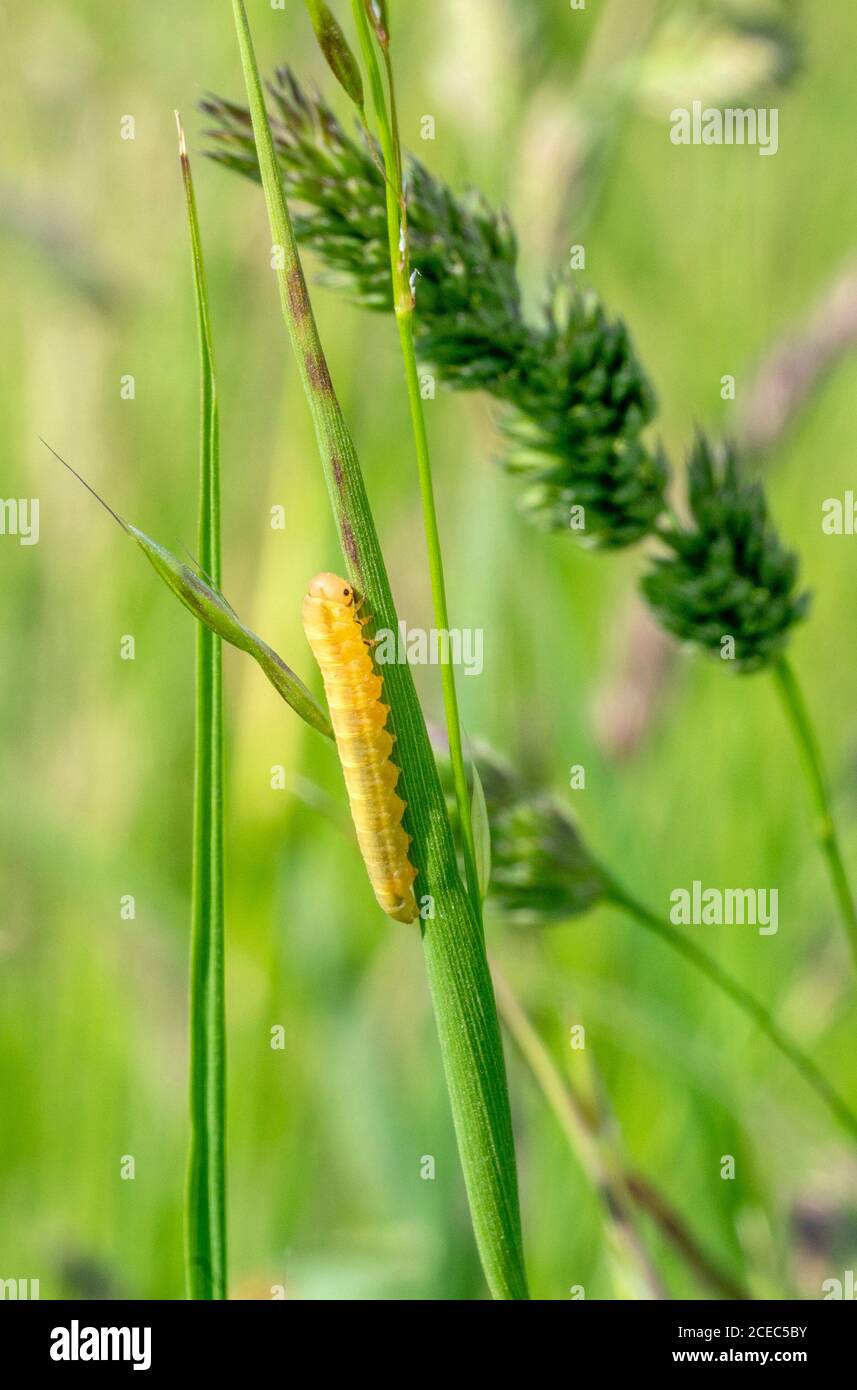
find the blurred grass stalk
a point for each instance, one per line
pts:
(812, 763)
(632, 1271)
(593, 1135)
(205, 1191)
(453, 942)
(812, 1074)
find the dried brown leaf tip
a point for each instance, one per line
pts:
(376, 11)
(182, 144)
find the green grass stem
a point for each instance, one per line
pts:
(205, 1190)
(812, 763)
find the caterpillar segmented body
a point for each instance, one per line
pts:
(353, 690)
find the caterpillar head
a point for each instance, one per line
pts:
(332, 589)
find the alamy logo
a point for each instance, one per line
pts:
(712, 125)
(76, 1343)
(20, 517)
(715, 907)
(843, 1288)
(416, 647)
(839, 515)
(19, 1288)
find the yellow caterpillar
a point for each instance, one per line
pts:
(353, 691)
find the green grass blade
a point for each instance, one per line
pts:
(205, 1192)
(459, 979)
(211, 609)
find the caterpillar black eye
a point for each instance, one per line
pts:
(345, 593)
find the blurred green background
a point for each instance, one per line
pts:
(711, 255)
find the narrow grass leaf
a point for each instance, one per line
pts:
(205, 1190)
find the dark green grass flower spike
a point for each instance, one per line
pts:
(729, 576)
(469, 298)
(576, 397)
(541, 871)
(581, 404)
